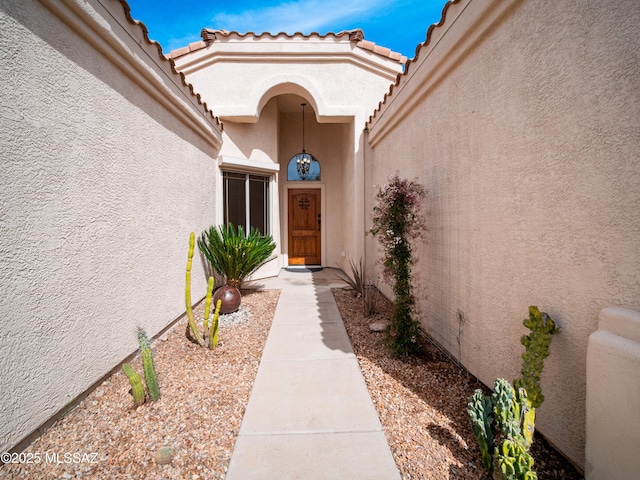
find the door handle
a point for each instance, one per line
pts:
(319, 222)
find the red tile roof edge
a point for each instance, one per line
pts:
(410, 62)
(210, 35)
(145, 31)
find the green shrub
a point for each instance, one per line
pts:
(396, 223)
(233, 254)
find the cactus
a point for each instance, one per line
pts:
(513, 412)
(514, 419)
(514, 462)
(537, 349)
(481, 413)
(147, 364)
(207, 307)
(213, 333)
(187, 293)
(513, 408)
(209, 336)
(137, 390)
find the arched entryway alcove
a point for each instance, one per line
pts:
(313, 210)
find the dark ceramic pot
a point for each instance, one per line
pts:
(230, 297)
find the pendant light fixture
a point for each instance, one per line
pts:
(303, 160)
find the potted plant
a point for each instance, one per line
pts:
(234, 255)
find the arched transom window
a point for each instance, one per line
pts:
(303, 166)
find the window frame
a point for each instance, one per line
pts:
(266, 179)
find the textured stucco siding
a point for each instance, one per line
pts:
(234, 75)
(241, 80)
(528, 144)
(100, 187)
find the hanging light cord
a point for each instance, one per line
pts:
(303, 105)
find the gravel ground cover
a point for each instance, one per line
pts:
(203, 398)
(421, 404)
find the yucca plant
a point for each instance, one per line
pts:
(233, 254)
(356, 280)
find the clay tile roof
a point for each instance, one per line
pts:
(385, 52)
(409, 64)
(192, 47)
(211, 35)
(145, 31)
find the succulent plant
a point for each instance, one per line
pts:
(536, 350)
(504, 422)
(213, 331)
(481, 413)
(137, 390)
(206, 338)
(504, 454)
(187, 293)
(147, 364)
(514, 461)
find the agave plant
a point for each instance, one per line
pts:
(233, 254)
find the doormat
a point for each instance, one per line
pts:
(304, 269)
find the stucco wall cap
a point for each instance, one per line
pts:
(621, 321)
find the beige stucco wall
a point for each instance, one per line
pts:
(341, 84)
(521, 119)
(107, 165)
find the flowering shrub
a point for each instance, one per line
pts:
(397, 221)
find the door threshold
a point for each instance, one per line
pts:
(304, 268)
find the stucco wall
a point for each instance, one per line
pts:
(237, 74)
(100, 187)
(521, 119)
(340, 82)
(256, 141)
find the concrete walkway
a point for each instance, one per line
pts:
(309, 415)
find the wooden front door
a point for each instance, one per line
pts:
(304, 227)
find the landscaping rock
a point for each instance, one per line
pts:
(165, 455)
(379, 326)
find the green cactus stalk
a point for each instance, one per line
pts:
(513, 412)
(207, 308)
(514, 462)
(137, 390)
(537, 349)
(481, 413)
(213, 334)
(527, 417)
(506, 408)
(147, 364)
(187, 293)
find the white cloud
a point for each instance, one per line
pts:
(296, 16)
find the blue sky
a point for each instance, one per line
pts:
(397, 24)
